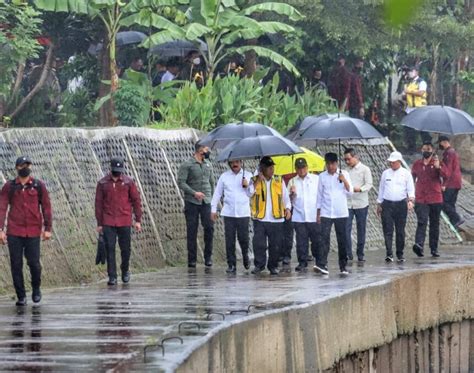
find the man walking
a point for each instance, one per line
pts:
(29, 219)
(427, 173)
(116, 200)
(452, 181)
(396, 196)
(233, 186)
(333, 189)
(196, 180)
(303, 196)
(270, 206)
(358, 202)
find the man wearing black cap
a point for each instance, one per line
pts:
(452, 183)
(29, 220)
(270, 205)
(304, 196)
(116, 198)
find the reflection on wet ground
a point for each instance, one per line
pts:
(96, 328)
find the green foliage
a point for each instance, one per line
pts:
(131, 105)
(19, 25)
(77, 109)
(231, 99)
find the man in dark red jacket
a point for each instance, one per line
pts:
(339, 84)
(452, 182)
(116, 199)
(356, 101)
(29, 219)
(427, 173)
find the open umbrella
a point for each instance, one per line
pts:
(440, 119)
(294, 131)
(178, 48)
(257, 147)
(122, 38)
(285, 164)
(224, 135)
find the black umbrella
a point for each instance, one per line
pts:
(440, 119)
(178, 48)
(294, 131)
(257, 147)
(224, 135)
(122, 38)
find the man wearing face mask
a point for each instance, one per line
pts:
(233, 186)
(116, 198)
(193, 70)
(427, 173)
(196, 180)
(29, 219)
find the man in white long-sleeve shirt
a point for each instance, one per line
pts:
(333, 189)
(396, 196)
(270, 206)
(233, 186)
(303, 195)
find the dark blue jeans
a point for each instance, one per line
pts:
(361, 223)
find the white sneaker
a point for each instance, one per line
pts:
(320, 269)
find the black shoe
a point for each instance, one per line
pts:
(208, 263)
(231, 269)
(350, 258)
(21, 302)
(389, 259)
(126, 277)
(401, 260)
(301, 268)
(435, 254)
(344, 272)
(36, 296)
(361, 259)
(257, 271)
(286, 261)
(418, 250)
(246, 262)
(192, 265)
(321, 269)
(112, 281)
(274, 272)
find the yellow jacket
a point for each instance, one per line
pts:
(412, 100)
(258, 202)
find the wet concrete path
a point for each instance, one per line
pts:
(96, 328)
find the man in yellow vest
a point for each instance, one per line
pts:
(416, 95)
(270, 206)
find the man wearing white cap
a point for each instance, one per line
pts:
(396, 196)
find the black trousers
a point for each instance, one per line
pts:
(341, 235)
(287, 245)
(361, 223)
(192, 212)
(394, 216)
(124, 236)
(236, 227)
(425, 212)
(450, 197)
(306, 232)
(264, 232)
(30, 248)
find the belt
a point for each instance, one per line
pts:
(387, 201)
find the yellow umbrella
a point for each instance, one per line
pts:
(285, 164)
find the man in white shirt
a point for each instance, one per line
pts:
(172, 70)
(303, 196)
(233, 186)
(333, 189)
(396, 196)
(270, 206)
(358, 203)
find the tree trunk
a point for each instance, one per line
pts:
(17, 85)
(39, 85)
(106, 111)
(250, 63)
(433, 97)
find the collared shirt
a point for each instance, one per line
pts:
(453, 177)
(116, 201)
(361, 177)
(305, 201)
(27, 214)
(194, 176)
(236, 197)
(427, 182)
(332, 195)
(269, 205)
(167, 77)
(396, 185)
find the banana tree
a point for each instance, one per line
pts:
(220, 23)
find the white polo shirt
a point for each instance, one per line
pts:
(332, 195)
(396, 185)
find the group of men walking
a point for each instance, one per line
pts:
(309, 204)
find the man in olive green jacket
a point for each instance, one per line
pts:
(196, 180)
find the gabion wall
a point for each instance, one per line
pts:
(71, 161)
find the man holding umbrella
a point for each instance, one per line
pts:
(233, 186)
(270, 206)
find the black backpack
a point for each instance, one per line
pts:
(13, 188)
